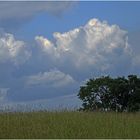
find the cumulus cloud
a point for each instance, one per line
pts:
(12, 50)
(94, 49)
(54, 78)
(97, 47)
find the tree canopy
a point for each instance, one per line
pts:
(111, 94)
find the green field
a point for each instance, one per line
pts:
(69, 125)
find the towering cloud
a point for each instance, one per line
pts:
(97, 47)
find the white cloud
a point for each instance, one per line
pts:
(12, 50)
(94, 49)
(54, 78)
(97, 46)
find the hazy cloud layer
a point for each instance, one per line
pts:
(3, 94)
(15, 13)
(9, 10)
(134, 41)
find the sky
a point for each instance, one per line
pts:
(49, 49)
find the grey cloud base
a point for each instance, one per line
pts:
(53, 69)
(27, 10)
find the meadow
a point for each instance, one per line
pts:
(69, 124)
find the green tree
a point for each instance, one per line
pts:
(116, 94)
(134, 92)
(96, 94)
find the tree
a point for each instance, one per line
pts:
(134, 91)
(114, 94)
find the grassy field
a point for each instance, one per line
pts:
(69, 125)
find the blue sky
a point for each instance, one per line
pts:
(124, 14)
(49, 49)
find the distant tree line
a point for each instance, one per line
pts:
(111, 94)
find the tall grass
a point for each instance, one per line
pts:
(69, 125)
